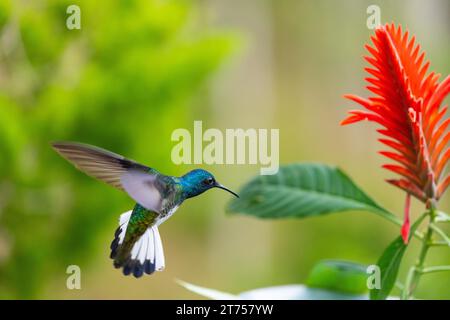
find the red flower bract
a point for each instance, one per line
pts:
(407, 103)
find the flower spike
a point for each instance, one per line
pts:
(406, 102)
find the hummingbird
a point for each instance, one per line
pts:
(137, 246)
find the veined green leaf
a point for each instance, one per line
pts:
(303, 190)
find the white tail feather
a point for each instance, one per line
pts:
(147, 251)
(125, 217)
(159, 253)
(149, 247)
(123, 222)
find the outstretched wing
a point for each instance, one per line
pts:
(139, 181)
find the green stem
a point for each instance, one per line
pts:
(399, 285)
(417, 270)
(441, 233)
(438, 244)
(435, 269)
(408, 283)
(390, 217)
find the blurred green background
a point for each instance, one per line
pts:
(136, 71)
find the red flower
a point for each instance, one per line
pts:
(407, 103)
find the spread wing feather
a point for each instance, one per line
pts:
(98, 163)
(137, 180)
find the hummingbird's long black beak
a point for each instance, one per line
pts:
(218, 185)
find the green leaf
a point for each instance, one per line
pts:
(339, 276)
(389, 264)
(303, 190)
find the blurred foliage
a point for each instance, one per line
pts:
(115, 83)
(340, 276)
(328, 280)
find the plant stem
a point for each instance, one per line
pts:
(438, 244)
(435, 269)
(441, 233)
(417, 270)
(390, 217)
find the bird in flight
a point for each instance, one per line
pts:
(137, 246)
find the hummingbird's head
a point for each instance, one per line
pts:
(198, 181)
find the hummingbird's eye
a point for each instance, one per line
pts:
(209, 181)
